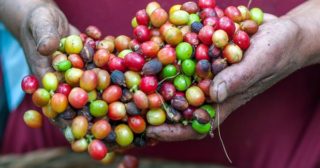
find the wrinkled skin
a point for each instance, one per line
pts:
(47, 24)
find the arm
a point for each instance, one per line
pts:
(281, 46)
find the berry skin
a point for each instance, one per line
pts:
(196, 27)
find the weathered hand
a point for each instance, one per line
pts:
(40, 35)
(273, 55)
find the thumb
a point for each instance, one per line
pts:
(254, 66)
(47, 25)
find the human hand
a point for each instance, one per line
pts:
(40, 35)
(273, 55)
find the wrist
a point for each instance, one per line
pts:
(307, 19)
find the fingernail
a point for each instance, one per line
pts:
(47, 44)
(222, 92)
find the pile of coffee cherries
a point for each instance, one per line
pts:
(108, 90)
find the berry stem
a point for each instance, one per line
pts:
(171, 77)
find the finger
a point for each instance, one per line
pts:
(269, 17)
(223, 110)
(254, 66)
(47, 26)
(177, 132)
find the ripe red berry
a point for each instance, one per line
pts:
(142, 33)
(142, 17)
(134, 61)
(97, 149)
(227, 25)
(202, 52)
(206, 3)
(205, 35)
(149, 84)
(233, 13)
(64, 89)
(242, 39)
(29, 84)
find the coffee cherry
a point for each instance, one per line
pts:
(40, 97)
(227, 25)
(193, 18)
(97, 149)
(32, 119)
(207, 12)
(167, 91)
(79, 127)
(188, 67)
(190, 7)
(152, 67)
(78, 98)
(101, 129)
(150, 49)
(218, 65)
(195, 96)
(137, 124)
(151, 7)
(202, 52)
(156, 116)
(101, 57)
(141, 100)
(184, 51)
(117, 111)
(182, 82)
(155, 100)
(134, 61)
(122, 42)
(159, 17)
(220, 38)
(206, 3)
(242, 39)
(112, 93)
(93, 32)
(174, 8)
(29, 84)
(205, 35)
(73, 44)
(124, 135)
(173, 36)
(209, 109)
(148, 84)
(233, 13)
(249, 26)
(98, 108)
(50, 81)
(80, 145)
(191, 38)
(257, 15)
(142, 33)
(196, 27)
(59, 102)
(245, 13)
(232, 53)
(48, 111)
(89, 80)
(72, 76)
(179, 17)
(201, 128)
(167, 55)
(132, 79)
(142, 17)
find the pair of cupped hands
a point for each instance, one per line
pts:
(272, 56)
